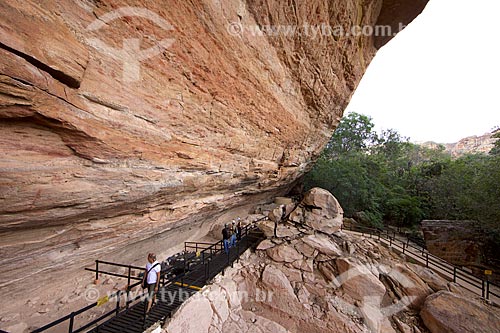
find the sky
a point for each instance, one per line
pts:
(439, 79)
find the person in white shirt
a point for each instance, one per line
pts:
(152, 276)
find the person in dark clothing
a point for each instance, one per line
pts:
(225, 238)
(238, 231)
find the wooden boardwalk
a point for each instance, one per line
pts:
(200, 269)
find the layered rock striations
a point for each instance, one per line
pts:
(108, 156)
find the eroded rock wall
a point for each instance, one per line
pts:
(462, 243)
(101, 159)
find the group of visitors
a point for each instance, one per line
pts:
(151, 278)
(231, 234)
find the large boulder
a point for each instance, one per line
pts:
(284, 253)
(282, 230)
(459, 242)
(408, 286)
(319, 210)
(323, 244)
(276, 215)
(431, 278)
(445, 312)
(359, 282)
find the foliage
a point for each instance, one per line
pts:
(354, 134)
(495, 151)
(385, 178)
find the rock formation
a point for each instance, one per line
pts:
(449, 312)
(462, 243)
(469, 145)
(458, 242)
(472, 144)
(128, 128)
(331, 282)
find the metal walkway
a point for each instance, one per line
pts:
(132, 320)
(204, 263)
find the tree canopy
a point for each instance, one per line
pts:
(385, 179)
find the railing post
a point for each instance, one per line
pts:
(128, 286)
(238, 254)
(427, 260)
(182, 279)
(487, 289)
(118, 301)
(206, 271)
(97, 270)
(404, 248)
(71, 322)
(129, 274)
(482, 289)
(390, 241)
(454, 274)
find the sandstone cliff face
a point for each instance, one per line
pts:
(472, 144)
(469, 145)
(107, 157)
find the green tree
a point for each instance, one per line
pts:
(354, 134)
(354, 174)
(495, 151)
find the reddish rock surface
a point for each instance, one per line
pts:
(440, 314)
(96, 165)
(319, 210)
(462, 243)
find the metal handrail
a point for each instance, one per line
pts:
(117, 294)
(429, 258)
(214, 248)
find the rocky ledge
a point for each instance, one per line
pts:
(308, 280)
